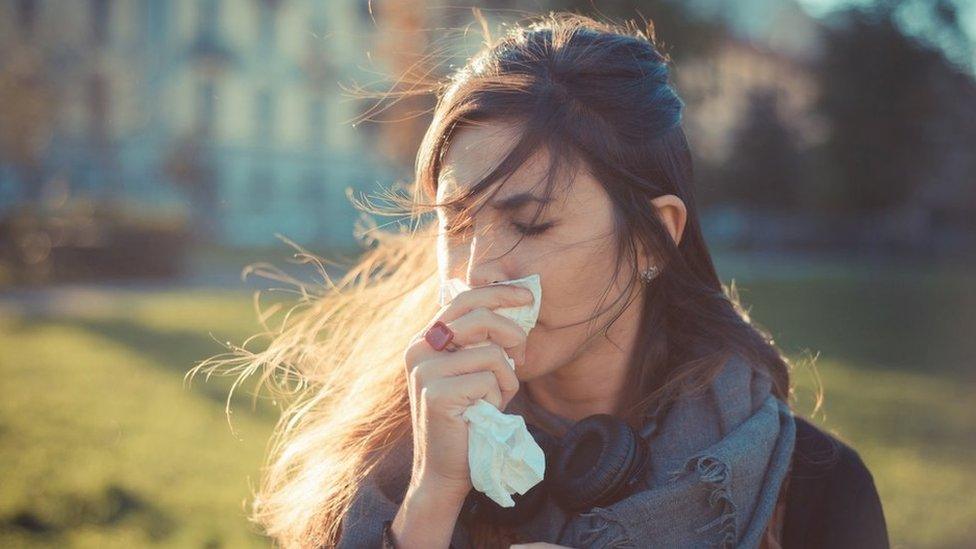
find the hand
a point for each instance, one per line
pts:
(538, 545)
(444, 384)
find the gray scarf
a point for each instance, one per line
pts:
(718, 460)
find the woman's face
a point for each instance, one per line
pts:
(571, 246)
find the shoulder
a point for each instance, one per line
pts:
(819, 454)
(377, 497)
(393, 468)
(831, 496)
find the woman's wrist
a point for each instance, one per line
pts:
(427, 516)
(444, 488)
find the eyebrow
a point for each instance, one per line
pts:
(517, 201)
(510, 203)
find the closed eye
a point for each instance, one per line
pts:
(530, 230)
(454, 229)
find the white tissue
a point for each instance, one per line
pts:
(503, 457)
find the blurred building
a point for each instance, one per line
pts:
(234, 110)
(720, 88)
(776, 53)
(230, 108)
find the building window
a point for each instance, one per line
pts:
(313, 194)
(99, 21)
(206, 107)
(26, 14)
(266, 32)
(207, 21)
(261, 191)
(314, 201)
(155, 21)
(98, 102)
(265, 116)
(316, 121)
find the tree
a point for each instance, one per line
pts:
(764, 169)
(883, 94)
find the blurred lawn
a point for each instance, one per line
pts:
(103, 445)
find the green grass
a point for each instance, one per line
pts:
(916, 434)
(102, 445)
(897, 365)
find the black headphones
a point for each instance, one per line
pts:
(600, 460)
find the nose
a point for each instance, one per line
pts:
(484, 267)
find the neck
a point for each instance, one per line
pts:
(595, 382)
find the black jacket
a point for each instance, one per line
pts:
(831, 500)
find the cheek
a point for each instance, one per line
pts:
(574, 281)
(547, 351)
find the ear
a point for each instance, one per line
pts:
(673, 214)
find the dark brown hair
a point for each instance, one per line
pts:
(598, 96)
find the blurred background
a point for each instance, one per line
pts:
(150, 150)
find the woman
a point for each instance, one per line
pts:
(557, 150)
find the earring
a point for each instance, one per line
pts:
(649, 273)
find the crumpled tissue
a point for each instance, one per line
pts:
(503, 457)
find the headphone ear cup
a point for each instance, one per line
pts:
(548, 443)
(599, 458)
(526, 505)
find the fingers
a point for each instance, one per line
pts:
(489, 297)
(476, 326)
(489, 359)
(471, 318)
(453, 395)
(482, 324)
